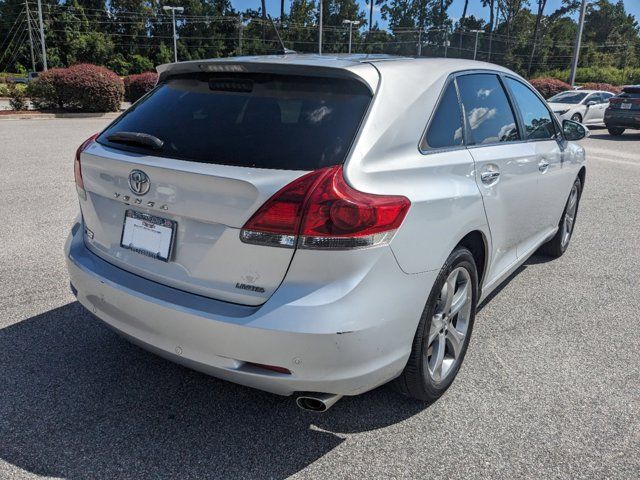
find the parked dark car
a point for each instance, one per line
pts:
(623, 111)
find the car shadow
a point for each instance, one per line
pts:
(627, 136)
(77, 401)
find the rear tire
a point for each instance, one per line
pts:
(615, 131)
(560, 242)
(576, 117)
(444, 330)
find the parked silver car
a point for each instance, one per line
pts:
(318, 225)
(583, 106)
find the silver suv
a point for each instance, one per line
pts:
(315, 225)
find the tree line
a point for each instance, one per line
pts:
(131, 36)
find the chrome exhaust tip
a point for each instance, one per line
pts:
(317, 402)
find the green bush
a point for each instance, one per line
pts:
(610, 75)
(83, 87)
(17, 97)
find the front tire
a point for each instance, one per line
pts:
(560, 242)
(576, 117)
(615, 131)
(444, 330)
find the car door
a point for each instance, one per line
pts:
(506, 173)
(543, 137)
(593, 113)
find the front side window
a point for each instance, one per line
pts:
(445, 128)
(487, 111)
(538, 123)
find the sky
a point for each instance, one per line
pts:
(455, 11)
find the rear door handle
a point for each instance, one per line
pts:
(489, 177)
(543, 166)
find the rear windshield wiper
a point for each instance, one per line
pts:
(136, 138)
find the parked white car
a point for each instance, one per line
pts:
(583, 106)
(317, 225)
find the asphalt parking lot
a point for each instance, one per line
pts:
(550, 387)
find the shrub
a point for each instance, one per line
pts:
(135, 86)
(602, 86)
(46, 91)
(17, 97)
(548, 87)
(82, 87)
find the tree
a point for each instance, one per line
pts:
(541, 5)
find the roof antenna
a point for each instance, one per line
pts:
(284, 50)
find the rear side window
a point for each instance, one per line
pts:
(536, 118)
(250, 120)
(445, 128)
(487, 111)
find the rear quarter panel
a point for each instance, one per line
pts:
(445, 201)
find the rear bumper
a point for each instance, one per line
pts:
(342, 339)
(622, 119)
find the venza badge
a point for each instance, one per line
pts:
(139, 182)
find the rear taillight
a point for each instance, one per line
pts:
(321, 211)
(77, 167)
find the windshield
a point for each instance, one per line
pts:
(250, 120)
(568, 97)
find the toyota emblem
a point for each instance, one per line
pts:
(139, 182)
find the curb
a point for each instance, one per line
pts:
(43, 116)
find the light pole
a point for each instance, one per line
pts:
(320, 28)
(475, 48)
(175, 37)
(351, 23)
(576, 48)
(42, 42)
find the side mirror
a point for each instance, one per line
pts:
(591, 103)
(574, 131)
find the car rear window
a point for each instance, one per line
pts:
(630, 92)
(250, 120)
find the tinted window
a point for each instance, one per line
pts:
(487, 110)
(606, 96)
(445, 129)
(252, 120)
(594, 97)
(568, 97)
(537, 120)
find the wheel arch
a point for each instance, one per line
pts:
(476, 242)
(582, 175)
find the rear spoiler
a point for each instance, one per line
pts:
(362, 72)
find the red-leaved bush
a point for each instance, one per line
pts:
(135, 86)
(83, 87)
(607, 87)
(548, 87)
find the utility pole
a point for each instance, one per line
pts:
(446, 41)
(320, 29)
(175, 36)
(475, 48)
(351, 23)
(44, 47)
(33, 58)
(240, 31)
(576, 48)
(420, 42)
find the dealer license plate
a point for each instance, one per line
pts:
(148, 235)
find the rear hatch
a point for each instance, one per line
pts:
(214, 147)
(627, 101)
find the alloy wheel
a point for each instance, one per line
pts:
(569, 216)
(449, 324)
